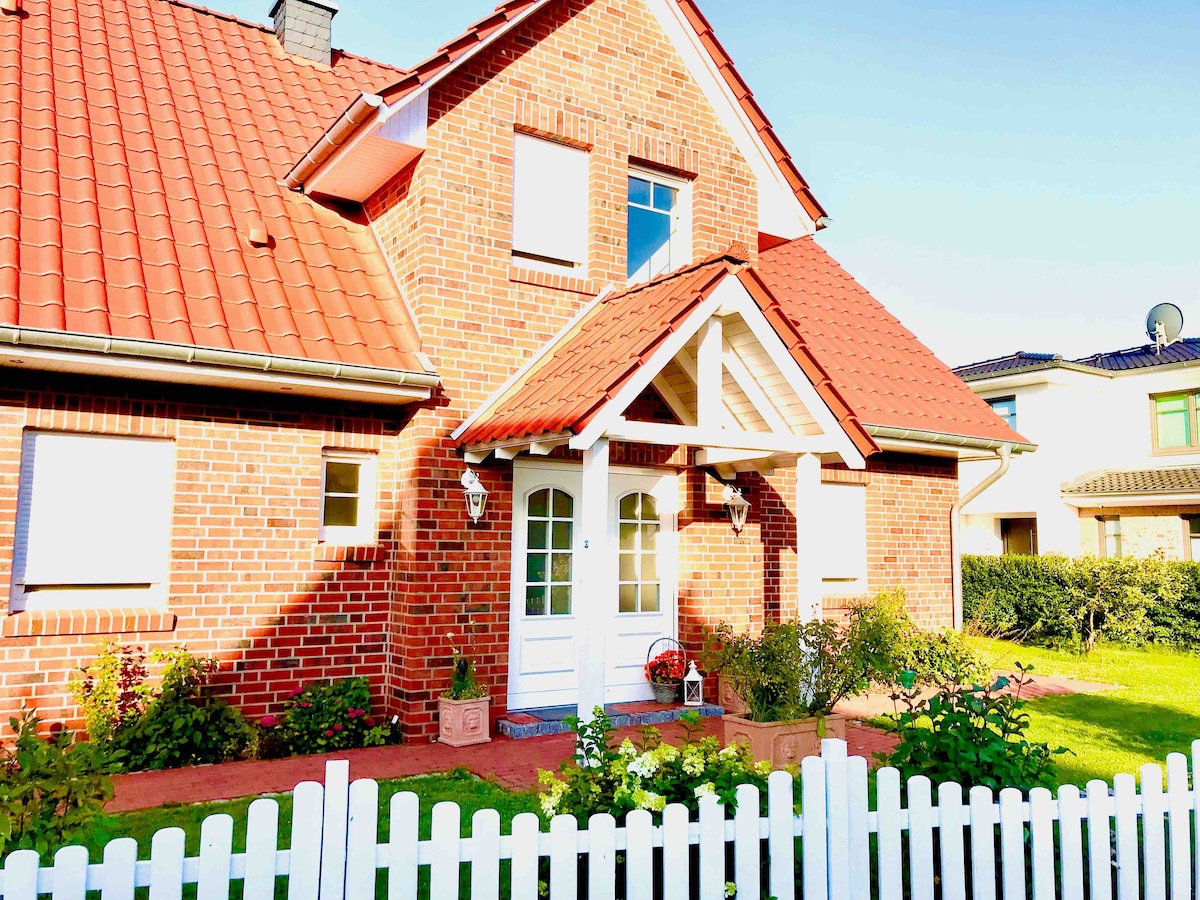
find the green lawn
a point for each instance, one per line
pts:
(1155, 711)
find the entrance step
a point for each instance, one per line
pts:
(552, 719)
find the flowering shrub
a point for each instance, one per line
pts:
(112, 689)
(322, 717)
(648, 775)
(666, 668)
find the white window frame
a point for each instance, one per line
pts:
(365, 531)
(551, 209)
(843, 544)
(147, 584)
(681, 225)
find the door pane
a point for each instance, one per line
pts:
(560, 600)
(535, 567)
(563, 505)
(628, 536)
(560, 571)
(562, 535)
(627, 598)
(628, 567)
(649, 598)
(537, 535)
(629, 507)
(535, 601)
(539, 503)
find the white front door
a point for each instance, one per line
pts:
(545, 629)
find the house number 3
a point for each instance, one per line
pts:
(585, 545)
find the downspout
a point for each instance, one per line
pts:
(1004, 451)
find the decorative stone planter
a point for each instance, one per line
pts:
(783, 743)
(462, 723)
(728, 698)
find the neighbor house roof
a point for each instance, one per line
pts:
(1014, 362)
(1145, 356)
(141, 143)
(889, 379)
(1179, 480)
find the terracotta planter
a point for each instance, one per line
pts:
(783, 743)
(462, 723)
(728, 698)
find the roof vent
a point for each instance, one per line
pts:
(256, 231)
(304, 27)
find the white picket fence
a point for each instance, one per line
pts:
(1138, 845)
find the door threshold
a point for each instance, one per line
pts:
(529, 723)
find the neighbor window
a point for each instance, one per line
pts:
(638, 589)
(1005, 408)
(347, 498)
(1110, 536)
(1175, 421)
(550, 206)
(659, 230)
(549, 540)
(93, 521)
(1193, 537)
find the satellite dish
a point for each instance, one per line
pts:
(1164, 324)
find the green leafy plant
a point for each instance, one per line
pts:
(112, 689)
(464, 684)
(647, 775)
(50, 788)
(325, 716)
(973, 736)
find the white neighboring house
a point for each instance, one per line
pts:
(1117, 470)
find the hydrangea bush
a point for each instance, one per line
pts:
(602, 778)
(322, 717)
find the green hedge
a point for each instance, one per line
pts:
(1062, 601)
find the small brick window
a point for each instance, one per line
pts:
(347, 498)
(550, 206)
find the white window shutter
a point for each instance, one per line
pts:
(550, 200)
(94, 510)
(843, 514)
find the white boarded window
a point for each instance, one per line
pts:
(843, 551)
(347, 498)
(93, 521)
(550, 204)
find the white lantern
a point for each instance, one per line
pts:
(693, 686)
(475, 493)
(738, 507)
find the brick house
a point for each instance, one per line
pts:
(263, 303)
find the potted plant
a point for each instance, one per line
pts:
(463, 710)
(789, 677)
(665, 673)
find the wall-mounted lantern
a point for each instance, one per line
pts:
(693, 686)
(738, 506)
(475, 494)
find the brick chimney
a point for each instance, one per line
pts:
(304, 26)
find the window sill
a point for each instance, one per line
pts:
(34, 623)
(554, 282)
(364, 552)
(1177, 451)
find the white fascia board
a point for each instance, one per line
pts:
(780, 212)
(668, 435)
(1104, 501)
(734, 295)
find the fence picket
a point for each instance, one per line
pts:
(712, 849)
(21, 875)
(860, 833)
(445, 833)
(1196, 815)
(781, 841)
(120, 869)
(1041, 843)
(216, 855)
(564, 857)
(1070, 840)
(362, 836)
(334, 820)
(403, 816)
(1125, 812)
(602, 856)
(747, 845)
(677, 850)
(70, 873)
(983, 844)
(485, 855)
(1178, 827)
(813, 853)
(639, 854)
(837, 819)
(166, 864)
(304, 860)
(1012, 844)
(1100, 869)
(525, 855)
(920, 838)
(262, 840)
(887, 804)
(950, 839)
(1153, 842)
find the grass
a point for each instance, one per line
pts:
(1154, 711)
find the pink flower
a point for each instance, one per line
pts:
(268, 722)
(306, 704)
(337, 727)
(353, 713)
(329, 732)
(370, 722)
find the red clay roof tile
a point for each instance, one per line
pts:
(137, 140)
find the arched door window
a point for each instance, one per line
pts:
(638, 534)
(549, 538)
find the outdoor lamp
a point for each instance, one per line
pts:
(738, 506)
(693, 686)
(475, 494)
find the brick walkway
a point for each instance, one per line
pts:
(511, 764)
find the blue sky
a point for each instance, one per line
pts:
(1002, 176)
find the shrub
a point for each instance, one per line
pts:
(112, 689)
(50, 788)
(602, 778)
(322, 717)
(973, 736)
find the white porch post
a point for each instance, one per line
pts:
(596, 570)
(808, 531)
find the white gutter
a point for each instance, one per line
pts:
(1004, 452)
(916, 435)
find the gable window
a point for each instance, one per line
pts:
(1175, 421)
(638, 582)
(93, 521)
(1005, 408)
(1110, 536)
(659, 224)
(347, 498)
(1193, 537)
(550, 206)
(550, 524)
